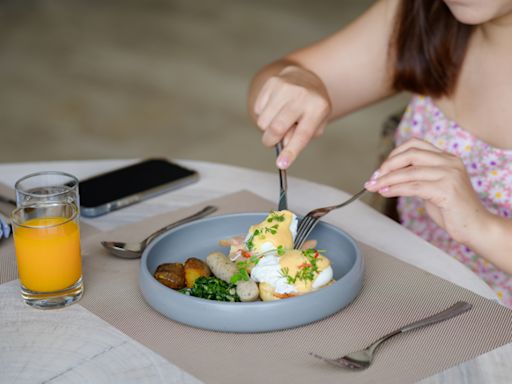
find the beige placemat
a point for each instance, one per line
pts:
(394, 294)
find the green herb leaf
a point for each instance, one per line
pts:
(212, 288)
(274, 216)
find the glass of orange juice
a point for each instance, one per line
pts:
(47, 243)
(47, 186)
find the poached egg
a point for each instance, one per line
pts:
(294, 273)
(283, 271)
(277, 230)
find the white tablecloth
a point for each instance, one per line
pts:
(19, 346)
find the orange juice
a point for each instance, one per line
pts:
(49, 256)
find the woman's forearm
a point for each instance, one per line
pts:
(494, 243)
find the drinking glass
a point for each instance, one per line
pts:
(45, 187)
(47, 243)
(47, 239)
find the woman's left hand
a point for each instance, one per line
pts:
(418, 168)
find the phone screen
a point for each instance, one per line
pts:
(121, 183)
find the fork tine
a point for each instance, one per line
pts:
(300, 229)
(338, 363)
(300, 235)
(302, 238)
(306, 232)
(305, 220)
(306, 226)
(341, 362)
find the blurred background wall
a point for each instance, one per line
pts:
(95, 79)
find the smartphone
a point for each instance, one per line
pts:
(125, 186)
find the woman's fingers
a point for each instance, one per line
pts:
(289, 134)
(414, 157)
(406, 175)
(282, 123)
(302, 135)
(412, 152)
(274, 105)
(427, 190)
(263, 97)
(292, 106)
(414, 143)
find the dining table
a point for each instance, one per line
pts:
(73, 345)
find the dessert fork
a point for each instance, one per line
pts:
(308, 222)
(362, 359)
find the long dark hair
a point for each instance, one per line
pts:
(429, 45)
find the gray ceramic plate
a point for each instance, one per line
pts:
(201, 237)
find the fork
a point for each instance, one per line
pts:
(309, 222)
(362, 359)
(283, 184)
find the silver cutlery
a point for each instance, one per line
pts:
(308, 222)
(7, 200)
(283, 183)
(134, 250)
(362, 359)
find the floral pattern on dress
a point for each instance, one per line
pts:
(489, 169)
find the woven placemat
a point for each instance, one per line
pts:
(394, 294)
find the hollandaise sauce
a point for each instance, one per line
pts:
(302, 267)
(275, 231)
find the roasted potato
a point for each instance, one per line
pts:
(171, 275)
(195, 268)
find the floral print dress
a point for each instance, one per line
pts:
(490, 171)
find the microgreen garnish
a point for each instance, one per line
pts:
(260, 233)
(243, 266)
(307, 270)
(272, 229)
(274, 216)
(250, 241)
(280, 250)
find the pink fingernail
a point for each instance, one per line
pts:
(384, 190)
(375, 175)
(283, 162)
(370, 183)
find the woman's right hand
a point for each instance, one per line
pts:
(292, 106)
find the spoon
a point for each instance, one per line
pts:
(134, 250)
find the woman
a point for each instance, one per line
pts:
(452, 167)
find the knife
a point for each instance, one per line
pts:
(283, 184)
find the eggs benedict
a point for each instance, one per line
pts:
(277, 231)
(296, 272)
(266, 256)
